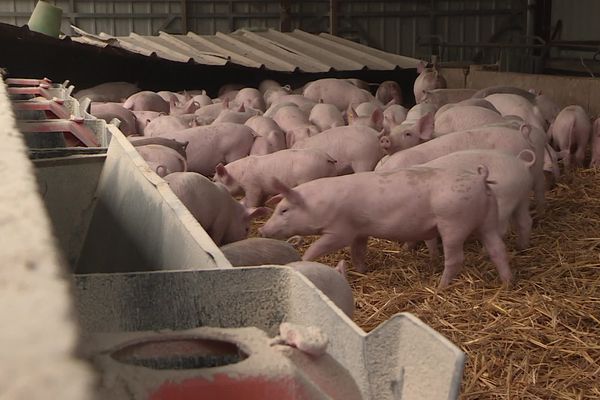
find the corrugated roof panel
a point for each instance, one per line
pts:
(336, 61)
(267, 56)
(182, 43)
(303, 61)
(211, 43)
(401, 61)
(370, 62)
(271, 49)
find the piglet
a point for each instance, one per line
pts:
(169, 159)
(326, 116)
(253, 175)
(260, 251)
(147, 101)
(369, 116)
(355, 148)
(270, 136)
(333, 282)
(109, 111)
(389, 91)
(338, 92)
(222, 217)
(428, 79)
(347, 210)
(116, 92)
(570, 134)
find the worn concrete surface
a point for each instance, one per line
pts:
(38, 333)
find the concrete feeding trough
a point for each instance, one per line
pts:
(136, 324)
(112, 213)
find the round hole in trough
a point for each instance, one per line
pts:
(180, 353)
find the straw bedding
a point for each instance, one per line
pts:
(539, 339)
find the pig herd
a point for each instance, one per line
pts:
(334, 160)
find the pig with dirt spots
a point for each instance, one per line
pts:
(513, 183)
(428, 79)
(253, 175)
(333, 282)
(434, 202)
(224, 219)
(509, 138)
(355, 148)
(569, 134)
(210, 145)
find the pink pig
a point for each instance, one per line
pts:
(251, 99)
(355, 148)
(513, 184)
(163, 156)
(407, 135)
(393, 116)
(326, 116)
(253, 175)
(514, 104)
(294, 122)
(373, 119)
(169, 123)
(570, 134)
(505, 137)
(464, 117)
(428, 79)
(434, 201)
(338, 92)
(109, 111)
(270, 136)
(224, 219)
(389, 91)
(146, 101)
(214, 144)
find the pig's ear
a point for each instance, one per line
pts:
(342, 268)
(223, 175)
(391, 103)
(186, 95)
(421, 66)
(381, 133)
(290, 194)
(274, 200)
(377, 117)
(425, 126)
(241, 108)
(172, 103)
(257, 212)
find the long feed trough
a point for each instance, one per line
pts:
(539, 339)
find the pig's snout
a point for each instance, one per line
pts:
(385, 143)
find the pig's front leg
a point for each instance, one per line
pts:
(358, 252)
(327, 243)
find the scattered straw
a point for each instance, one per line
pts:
(539, 339)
